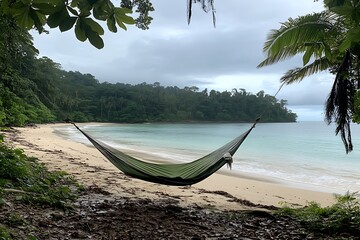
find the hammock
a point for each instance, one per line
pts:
(181, 174)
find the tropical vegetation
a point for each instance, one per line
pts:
(26, 184)
(85, 16)
(329, 40)
(19, 81)
(88, 100)
(341, 217)
(25, 181)
(37, 90)
(30, 181)
(82, 15)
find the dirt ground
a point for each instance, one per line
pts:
(101, 215)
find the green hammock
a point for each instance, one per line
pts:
(181, 174)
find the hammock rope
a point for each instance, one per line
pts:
(179, 174)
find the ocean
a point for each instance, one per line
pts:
(305, 154)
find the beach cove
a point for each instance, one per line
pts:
(223, 190)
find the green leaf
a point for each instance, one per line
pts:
(111, 24)
(328, 53)
(67, 24)
(121, 17)
(31, 237)
(93, 25)
(309, 52)
(346, 44)
(124, 18)
(123, 10)
(103, 9)
(80, 32)
(74, 3)
(95, 39)
(352, 36)
(349, 10)
(53, 2)
(55, 19)
(73, 11)
(345, 10)
(46, 8)
(21, 11)
(85, 8)
(25, 19)
(38, 18)
(121, 25)
(26, 2)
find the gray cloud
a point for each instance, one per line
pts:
(173, 53)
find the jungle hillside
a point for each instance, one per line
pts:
(37, 90)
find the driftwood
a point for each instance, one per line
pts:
(11, 190)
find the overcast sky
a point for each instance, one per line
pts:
(177, 54)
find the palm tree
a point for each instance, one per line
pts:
(329, 40)
(206, 5)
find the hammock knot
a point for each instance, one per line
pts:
(228, 158)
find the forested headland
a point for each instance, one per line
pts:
(38, 90)
(37, 204)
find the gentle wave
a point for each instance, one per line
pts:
(305, 154)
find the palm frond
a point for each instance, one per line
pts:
(298, 74)
(206, 5)
(296, 35)
(340, 103)
(284, 53)
(189, 10)
(308, 28)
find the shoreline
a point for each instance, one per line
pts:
(89, 167)
(151, 154)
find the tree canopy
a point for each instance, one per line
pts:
(19, 96)
(82, 15)
(329, 40)
(35, 90)
(86, 99)
(85, 16)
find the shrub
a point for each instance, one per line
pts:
(35, 183)
(342, 217)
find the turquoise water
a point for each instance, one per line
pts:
(306, 153)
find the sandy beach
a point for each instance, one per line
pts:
(223, 190)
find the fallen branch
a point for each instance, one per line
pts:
(11, 190)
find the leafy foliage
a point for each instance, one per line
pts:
(356, 116)
(4, 234)
(329, 40)
(17, 171)
(206, 5)
(23, 179)
(143, 8)
(342, 217)
(40, 91)
(340, 103)
(19, 101)
(82, 15)
(85, 99)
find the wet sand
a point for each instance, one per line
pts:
(223, 190)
